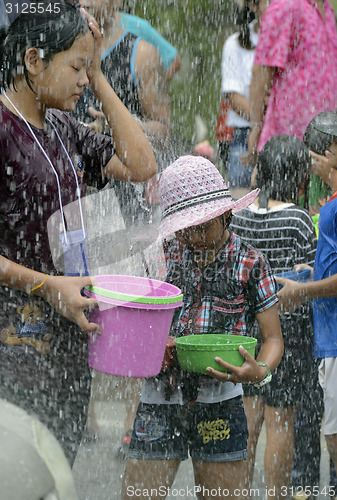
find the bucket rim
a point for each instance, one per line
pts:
(125, 297)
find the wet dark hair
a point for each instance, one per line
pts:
(282, 165)
(318, 141)
(243, 17)
(51, 32)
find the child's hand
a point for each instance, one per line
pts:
(332, 160)
(317, 162)
(299, 267)
(320, 162)
(250, 371)
(291, 296)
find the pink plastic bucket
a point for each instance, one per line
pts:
(135, 316)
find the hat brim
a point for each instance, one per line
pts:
(203, 212)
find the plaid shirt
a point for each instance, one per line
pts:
(224, 296)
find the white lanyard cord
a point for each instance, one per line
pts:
(75, 174)
(53, 168)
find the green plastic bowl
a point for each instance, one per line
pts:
(197, 352)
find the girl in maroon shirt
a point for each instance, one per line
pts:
(46, 59)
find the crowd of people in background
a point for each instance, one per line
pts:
(85, 105)
(288, 96)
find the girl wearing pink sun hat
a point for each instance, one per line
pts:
(226, 284)
(192, 191)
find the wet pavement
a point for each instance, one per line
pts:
(99, 465)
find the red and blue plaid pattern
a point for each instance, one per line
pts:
(224, 296)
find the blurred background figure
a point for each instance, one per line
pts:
(236, 69)
(294, 73)
(285, 233)
(135, 69)
(205, 149)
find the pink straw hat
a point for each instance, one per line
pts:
(192, 191)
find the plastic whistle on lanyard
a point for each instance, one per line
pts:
(75, 252)
(74, 243)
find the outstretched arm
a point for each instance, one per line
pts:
(62, 292)
(293, 293)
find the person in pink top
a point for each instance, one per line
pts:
(295, 70)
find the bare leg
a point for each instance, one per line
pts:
(112, 388)
(148, 477)
(218, 480)
(279, 454)
(254, 410)
(132, 389)
(331, 441)
(95, 394)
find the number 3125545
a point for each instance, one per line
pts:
(32, 8)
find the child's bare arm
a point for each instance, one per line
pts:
(272, 342)
(270, 352)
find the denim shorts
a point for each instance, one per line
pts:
(211, 432)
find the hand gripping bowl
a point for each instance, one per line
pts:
(135, 316)
(197, 352)
(301, 277)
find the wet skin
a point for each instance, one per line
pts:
(206, 239)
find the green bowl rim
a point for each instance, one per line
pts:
(184, 346)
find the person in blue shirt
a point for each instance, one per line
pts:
(323, 291)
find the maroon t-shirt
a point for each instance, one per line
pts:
(37, 346)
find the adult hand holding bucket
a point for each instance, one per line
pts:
(135, 316)
(64, 294)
